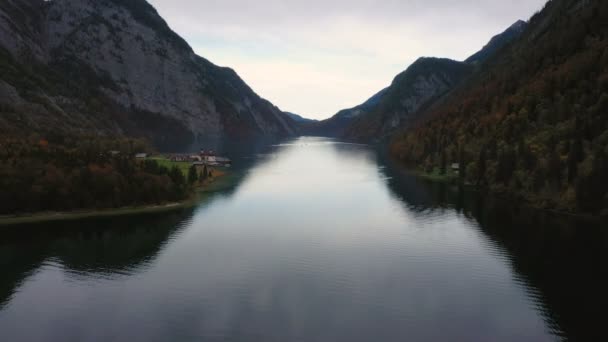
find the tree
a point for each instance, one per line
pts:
(192, 175)
(462, 163)
(481, 167)
(177, 176)
(506, 166)
(205, 173)
(554, 172)
(575, 156)
(590, 187)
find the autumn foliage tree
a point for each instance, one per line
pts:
(70, 173)
(533, 120)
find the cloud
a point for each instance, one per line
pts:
(317, 57)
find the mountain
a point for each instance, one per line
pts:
(498, 42)
(337, 124)
(115, 67)
(532, 123)
(299, 119)
(421, 85)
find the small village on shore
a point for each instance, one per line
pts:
(208, 158)
(205, 159)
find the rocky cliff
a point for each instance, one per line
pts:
(115, 66)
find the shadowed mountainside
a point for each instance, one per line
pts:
(115, 67)
(532, 121)
(419, 87)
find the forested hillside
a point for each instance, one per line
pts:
(533, 122)
(60, 173)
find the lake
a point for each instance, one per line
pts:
(317, 241)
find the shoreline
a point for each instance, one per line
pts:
(219, 182)
(452, 179)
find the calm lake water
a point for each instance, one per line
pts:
(317, 241)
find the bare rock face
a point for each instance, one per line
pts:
(147, 71)
(21, 25)
(127, 53)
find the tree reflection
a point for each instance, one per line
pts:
(108, 247)
(560, 261)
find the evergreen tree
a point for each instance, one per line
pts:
(574, 158)
(481, 167)
(462, 164)
(554, 174)
(192, 175)
(177, 176)
(205, 173)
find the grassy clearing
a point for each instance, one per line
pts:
(448, 177)
(162, 161)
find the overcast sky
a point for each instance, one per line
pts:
(316, 57)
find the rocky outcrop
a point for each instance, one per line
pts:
(147, 78)
(22, 28)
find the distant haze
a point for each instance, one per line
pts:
(316, 57)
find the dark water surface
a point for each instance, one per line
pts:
(319, 241)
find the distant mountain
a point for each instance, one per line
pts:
(299, 119)
(533, 120)
(115, 67)
(336, 125)
(421, 85)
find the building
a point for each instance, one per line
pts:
(210, 160)
(178, 158)
(223, 161)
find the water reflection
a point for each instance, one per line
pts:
(315, 241)
(558, 260)
(561, 262)
(95, 248)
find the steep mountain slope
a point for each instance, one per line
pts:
(498, 42)
(114, 66)
(420, 86)
(534, 121)
(423, 83)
